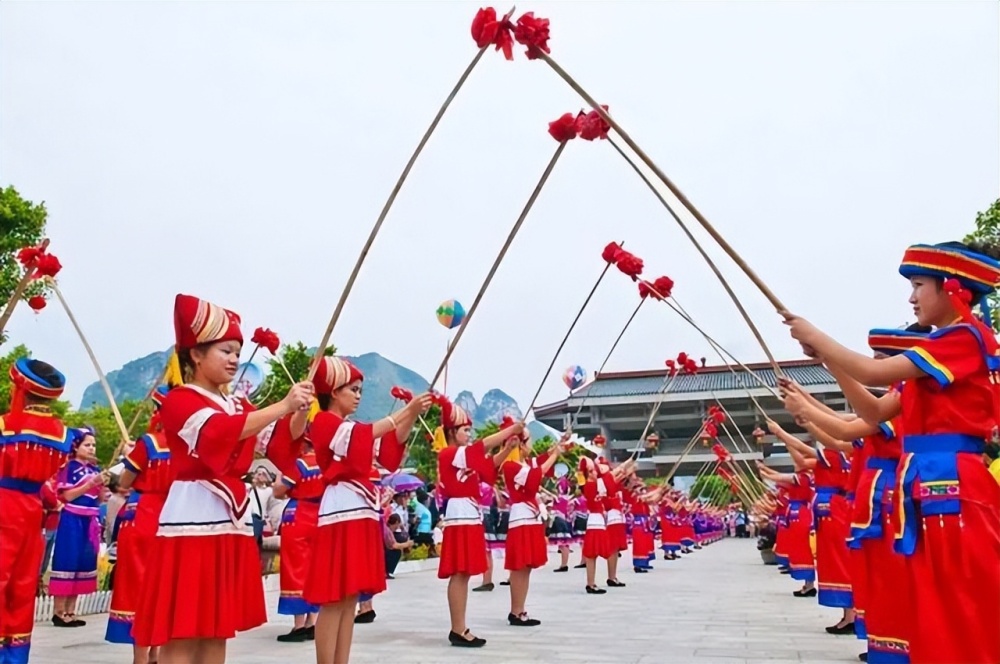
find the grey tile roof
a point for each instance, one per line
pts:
(709, 381)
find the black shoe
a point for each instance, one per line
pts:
(364, 618)
(615, 583)
(841, 629)
(310, 634)
(594, 590)
(580, 566)
(561, 569)
(485, 588)
(297, 635)
(522, 620)
(639, 570)
(59, 621)
(505, 583)
(805, 593)
(863, 657)
(459, 640)
(390, 577)
(785, 571)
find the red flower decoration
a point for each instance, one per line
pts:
(629, 264)
(682, 358)
(600, 441)
(591, 126)
(534, 33)
(401, 393)
(37, 302)
(611, 252)
(664, 286)
(487, 29)
(711, 431)
(671, 367)
(47, 265)
(953, 286)
(563, 129)
(691, 366)
(718, 417)
(28, 255)
(266, 338)
(644, 289)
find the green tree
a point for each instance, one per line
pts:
(22, 224)
(296, 358)
(988, 232)
(714, 487)
(420, 453)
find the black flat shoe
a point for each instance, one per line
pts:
(863, 657)
(485, 588)
(59, 621)
(615, 583)
(639, 570)
(594, 590)
(841, 629)
(805, 593)
(297, 635)
(460, 640)
(785, 571)
(310, 635)
(561, 569)
(505, 583)
(364, 618)
(522, 620)
(580, 566)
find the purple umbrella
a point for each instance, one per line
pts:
(404, 482)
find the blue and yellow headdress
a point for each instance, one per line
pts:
(977, 273)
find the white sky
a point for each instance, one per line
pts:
(242, 151)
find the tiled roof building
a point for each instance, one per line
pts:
(618, 405)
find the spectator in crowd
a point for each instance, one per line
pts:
(116, 500)
(400, 506)
(741, 524)
(397, 540)
(424, 531)
(261, 493)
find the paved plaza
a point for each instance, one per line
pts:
(720, 605)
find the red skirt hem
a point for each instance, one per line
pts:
(200, 587)
(463, 551)
(596, 543)
(348, 558)
(526, 548)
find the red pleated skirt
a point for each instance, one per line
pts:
(200, 587)
(463, 551)
(526, 547)
(298, 538)
(833, 567)
(800, 555)
(888, 600)
(348, 558)
(859, 581)
(596, 543)
(617, 537)
(642, 542)
(955, 577)
(133, 552)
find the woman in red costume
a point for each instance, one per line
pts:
(595, 542)
(526, 546)
(800, 556)
(831, 518)
(880, 579)
(348, 558)
(148, 472)
(461, 467)
(202, 583)
(614, 516)
(948, 504)
(302, 483)
(34, 444)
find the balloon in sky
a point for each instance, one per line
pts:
(450, 313)
(574, 376)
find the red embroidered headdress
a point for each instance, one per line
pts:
(198, 321)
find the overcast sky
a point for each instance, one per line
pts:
(242, 151)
